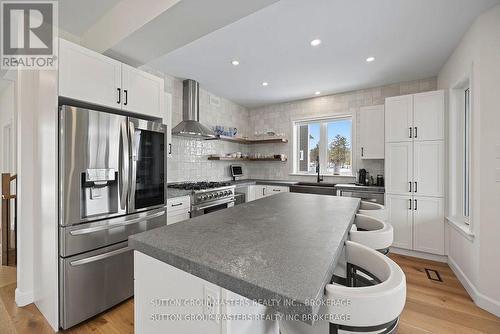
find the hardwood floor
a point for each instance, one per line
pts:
(431, 307)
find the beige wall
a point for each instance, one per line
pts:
(477, 260)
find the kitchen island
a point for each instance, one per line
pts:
(280, 251)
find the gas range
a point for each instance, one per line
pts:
(208, 196)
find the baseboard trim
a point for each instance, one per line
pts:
(23, 298)
(421, 255)
(481, 300)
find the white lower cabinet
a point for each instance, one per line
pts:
(418, 222)
(178, 209)
(428, 224)
(400, 217)
(260, 191)
(273, 190)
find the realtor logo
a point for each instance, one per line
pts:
(29, 36)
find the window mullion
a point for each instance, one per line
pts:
(323, 147)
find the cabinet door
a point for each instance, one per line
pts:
(428, 168)
(167, 118)
(428, 225)
(399, 212)
(88, 76)
(260, 191)
(273, 190)
(175, 217)
(371, 132)
(142, 92)
(399, 168)
(428, 116)
(399, 118)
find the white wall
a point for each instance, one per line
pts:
(476, 261)
(189, 161)
(279, 117)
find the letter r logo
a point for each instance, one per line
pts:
(27, 28)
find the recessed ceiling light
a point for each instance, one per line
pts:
(370, 59)
(315, 42)
(317, 93)
(265, 84)
(235, 62)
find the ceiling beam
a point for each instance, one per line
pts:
(123, 20)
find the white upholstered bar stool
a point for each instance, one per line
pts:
(373, 210)
(372, 232)
(374, 308)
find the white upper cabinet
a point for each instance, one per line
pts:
(399, 168)
(88, 76)
(428, 168)
(91, 77)
(399, 118)
(428, 224)
(428, 116)
(142, 92)
(371, 132)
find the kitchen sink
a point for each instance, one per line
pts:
(314, 188)
(316, 184)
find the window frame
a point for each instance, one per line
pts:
(323, 149)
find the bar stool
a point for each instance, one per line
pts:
(373, 210)
(375, 308)
(372, 232)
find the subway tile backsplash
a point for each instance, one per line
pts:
(190, 162)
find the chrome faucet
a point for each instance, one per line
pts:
(320, 178)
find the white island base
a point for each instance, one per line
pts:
(169, 300)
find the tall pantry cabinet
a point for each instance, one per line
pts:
(414, 170)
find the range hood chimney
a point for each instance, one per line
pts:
(190, 125)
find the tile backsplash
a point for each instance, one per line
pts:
(190, 162)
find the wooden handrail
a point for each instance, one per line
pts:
(9, 196)
(13, 177)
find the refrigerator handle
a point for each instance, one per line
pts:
(124, 170)
(133, 166)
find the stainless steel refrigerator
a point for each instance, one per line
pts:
(112, 172)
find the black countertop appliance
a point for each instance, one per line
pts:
(362, 176)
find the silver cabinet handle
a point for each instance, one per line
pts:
(362, 151)
(416, 133)
(409, 201)
(177, 204)
(99, 257)
(111, 225)
(119, 95)
(415, 186)
(415, 205)
(410, 186)
(411, 132)
(211, 205)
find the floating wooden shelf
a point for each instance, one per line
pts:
(253, 141)
(245, 159)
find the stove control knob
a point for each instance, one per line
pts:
(209, 196)
(203, 197)
(228, 192)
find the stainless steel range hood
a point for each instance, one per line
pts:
(190, 125)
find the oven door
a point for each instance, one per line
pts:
(202, 209)
(147, 165)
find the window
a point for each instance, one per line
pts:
(466, 153)
(327, 142)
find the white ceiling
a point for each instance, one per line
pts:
(77, 16)
(410, 39)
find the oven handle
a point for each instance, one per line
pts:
(111, 225)
(198, 208)
(99, 257)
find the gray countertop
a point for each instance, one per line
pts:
(283, 247)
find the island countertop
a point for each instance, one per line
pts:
(280, 248)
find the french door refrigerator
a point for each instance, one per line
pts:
(112, 172)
